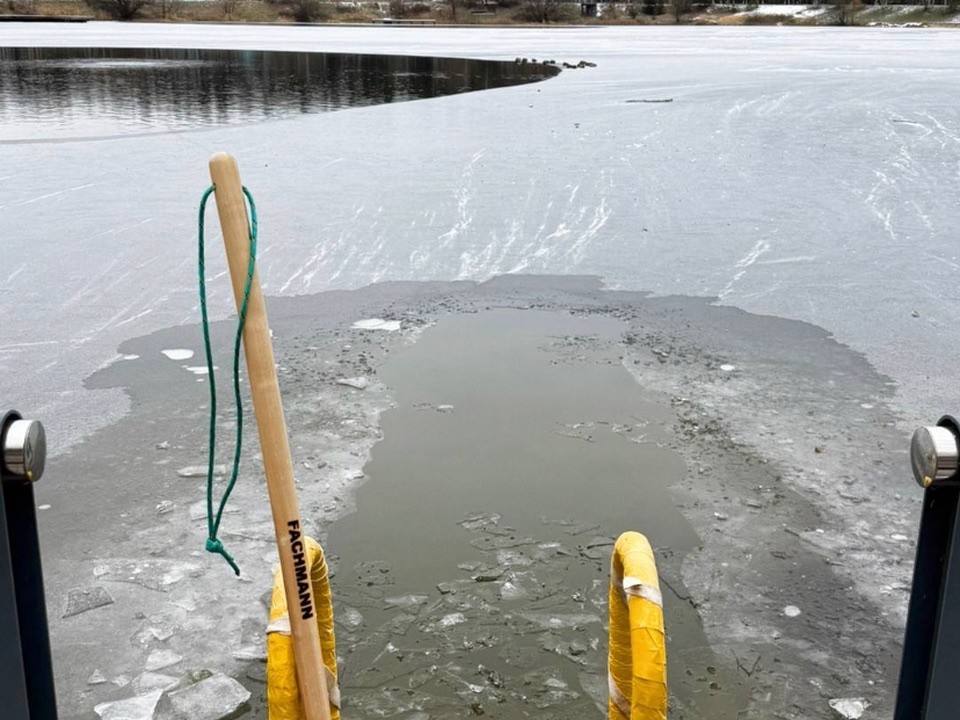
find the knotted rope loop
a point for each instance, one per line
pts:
(213, 544)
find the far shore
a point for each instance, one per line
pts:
(487, 13)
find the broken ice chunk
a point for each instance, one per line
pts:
(516, 558)
(350, 617)
(154, 574)
(377, 324)
(358, 383)
(791, 611)
(849, 708)
(406, 601)
(216, 698)
(512, 591)
(135, 708)
(559, 620)
(452, 620)
(80, 600)
(97, 678)
(159, 659)
(478, 521)
(148, 682)
(196, 471)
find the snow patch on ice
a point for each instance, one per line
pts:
(377, 324)
(178, 353)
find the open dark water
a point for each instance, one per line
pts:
(65, 93)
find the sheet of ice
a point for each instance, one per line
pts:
(565, 176)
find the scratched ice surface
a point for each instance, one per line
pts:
(808, 174)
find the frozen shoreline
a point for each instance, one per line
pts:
(780, 523)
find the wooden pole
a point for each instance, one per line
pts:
(277, 465)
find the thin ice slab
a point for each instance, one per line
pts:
(377, 324)
(217, 698)
(81, 600)
(135, 708)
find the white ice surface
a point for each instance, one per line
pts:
(806, 173)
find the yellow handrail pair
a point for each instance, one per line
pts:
(637, 659)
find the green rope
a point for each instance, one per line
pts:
(213, 544)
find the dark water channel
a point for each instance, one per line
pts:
(473, 577)
(69, 93)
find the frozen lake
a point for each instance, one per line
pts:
(804, 173)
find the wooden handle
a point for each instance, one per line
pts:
(277, 465)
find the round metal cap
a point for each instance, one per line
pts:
(24, 451)
(933, 454)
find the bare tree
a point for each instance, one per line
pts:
(120, 9)
(681, 8)
(167, 8)
(846, 11)
(541, 11)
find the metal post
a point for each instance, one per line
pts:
(26, 670)
(928, 688)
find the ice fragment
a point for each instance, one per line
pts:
(216, 698)
(849, 708)
(148, 682)
(80, 600)
(377, 324)
(135, 708)
(159, 659)
(359, 383)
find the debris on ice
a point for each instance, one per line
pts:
(165, 506)
(80, 600)
(791, 611)
(135, 708)
(377, 324)
(728, 368)
(216, 698)
(849, 708)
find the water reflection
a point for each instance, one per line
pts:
(58, 93)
